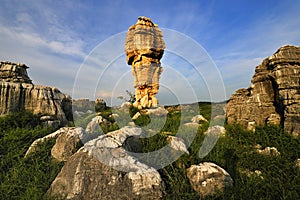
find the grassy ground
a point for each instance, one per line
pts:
(255, 176)
(22, 178)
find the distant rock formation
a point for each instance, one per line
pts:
(144, 48)
(274, 96)
(84, 105)
(18, 93)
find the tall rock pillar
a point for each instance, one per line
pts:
(144, 48)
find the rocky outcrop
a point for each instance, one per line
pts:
(144, 48)
(67, 143)
(198, 119)
(268, 151)
(67, 136)
(274, 96)
(177, 144)
(85, 105)
(13, 72)
(103, 169)
(94, 126)
(208, 178)
(18, 93)
(100, 105)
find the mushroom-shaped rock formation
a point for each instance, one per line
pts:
(144, 48)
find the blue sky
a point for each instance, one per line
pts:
(56, 38)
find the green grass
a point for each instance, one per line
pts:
(24, 178)
(30, 178)
(236, 153)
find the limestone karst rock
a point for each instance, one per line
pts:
(85, 105)
(274, 96)
(69, 139)
(177, 144)
(144, 48)
(18, 93)
(94, 126)
(207, 178)
(67, 143)
(103, 169)
(198, 119)
(100, 105)
(13, 72)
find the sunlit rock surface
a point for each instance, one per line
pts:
(274, 97)
(17, 92)
(144, 48)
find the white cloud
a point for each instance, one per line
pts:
(54, 39)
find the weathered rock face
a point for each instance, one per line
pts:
(67, 143)
(274, 96)
(177, 144)
(206, 177)
(14, 73)
(102, 169)
(94, 126)
(18, 93)
(144, 48)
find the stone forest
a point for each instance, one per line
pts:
(102, 156)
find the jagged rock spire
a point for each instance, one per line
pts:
(144, 48)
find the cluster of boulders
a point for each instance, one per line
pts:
(105, 168)
(102, 169)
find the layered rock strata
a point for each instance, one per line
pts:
(144, 48)
(18, 93)
(274, 96)
(13, 72)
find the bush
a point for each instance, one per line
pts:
(22, 119)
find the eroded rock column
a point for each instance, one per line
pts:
(144, 48)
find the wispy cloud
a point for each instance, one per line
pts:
(55, 39)
(238, 57)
